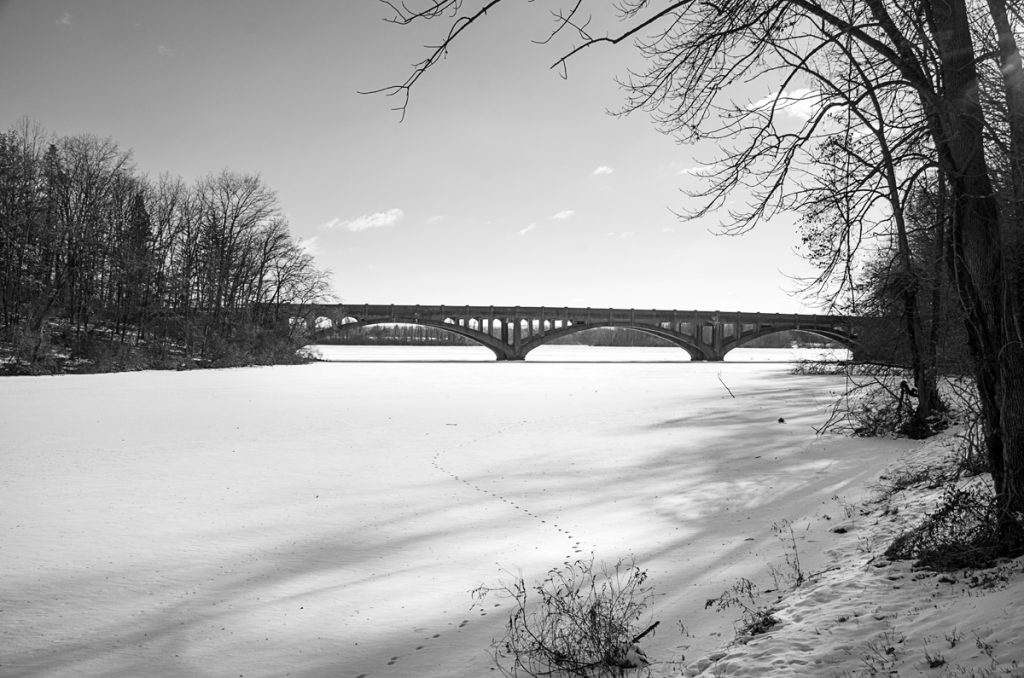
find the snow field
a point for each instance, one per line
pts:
(331, 519)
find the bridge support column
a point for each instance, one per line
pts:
(517, 336)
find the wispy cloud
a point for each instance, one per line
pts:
(531, 227)
(602, 170)
(800, 103)
(437, 218)
(310, 246)
(366, 221)
(65, 19)
(564, 214)
(165, 51)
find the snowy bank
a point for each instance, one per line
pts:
(863, 615)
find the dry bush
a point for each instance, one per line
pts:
(961, 532)
(871, 404)
(755, 617)
(577, 622)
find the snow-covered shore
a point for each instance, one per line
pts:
(331, 519)
(863, 615)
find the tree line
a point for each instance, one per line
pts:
(103, 265)
(399, 334)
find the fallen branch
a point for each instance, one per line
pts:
(646, 631)
(726, 386)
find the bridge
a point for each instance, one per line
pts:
(513, 331)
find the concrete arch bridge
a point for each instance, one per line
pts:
(511, 332)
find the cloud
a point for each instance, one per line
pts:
(603, 169)
(531, 227)
(165, 51)
(564, 214)
(435, 219)
(800, 103)
(310, 246)
(366, 221)
(66, 19)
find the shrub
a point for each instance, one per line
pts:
(961, 532)
(878, 401)
(577, 622)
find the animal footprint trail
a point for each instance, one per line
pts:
(576, 549)
(396, 659)
(575, 544)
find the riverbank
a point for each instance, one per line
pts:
(864, 615)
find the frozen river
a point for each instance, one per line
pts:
(330, 519)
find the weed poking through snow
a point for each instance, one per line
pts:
(755, 618)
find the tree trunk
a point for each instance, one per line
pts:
(957, 121)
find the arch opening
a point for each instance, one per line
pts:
(792, 345)
(634, 335)
(610, 335)
(412, 332)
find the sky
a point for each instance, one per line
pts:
(504, 184)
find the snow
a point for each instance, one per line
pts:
(332, 518)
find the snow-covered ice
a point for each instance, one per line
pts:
(331, 519)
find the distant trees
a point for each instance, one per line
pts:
(95, 257)
(396, 334)
(934, 89)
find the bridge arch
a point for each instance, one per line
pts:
(501, 350)
(682, 341)
(845, 339)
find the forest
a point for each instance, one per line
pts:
(104, 268)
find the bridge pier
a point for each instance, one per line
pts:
(517, 334)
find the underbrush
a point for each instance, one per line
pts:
(63, 349)
(960, 532)
(963, 529)
(879, 401)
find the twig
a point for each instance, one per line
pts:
(648, 630)
(726, 387)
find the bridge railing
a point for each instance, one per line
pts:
(578, 314)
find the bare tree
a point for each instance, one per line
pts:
(700, 55)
